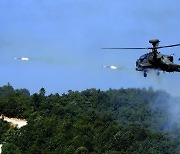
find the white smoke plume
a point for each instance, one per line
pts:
(170, 106)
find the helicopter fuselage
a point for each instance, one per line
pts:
(156, 61)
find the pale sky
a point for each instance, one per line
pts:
(63, 39)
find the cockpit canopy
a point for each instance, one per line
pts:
(143, 57)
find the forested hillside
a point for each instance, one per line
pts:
(92, 121)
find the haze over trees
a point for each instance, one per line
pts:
(91, 121)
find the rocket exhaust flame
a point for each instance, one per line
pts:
(22, 58)
(111, 67)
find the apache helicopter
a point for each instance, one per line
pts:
(155, 60)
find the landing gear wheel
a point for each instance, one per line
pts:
(145, 74)
(158, 73)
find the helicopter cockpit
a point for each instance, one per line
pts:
(143, 57)
(140, 60)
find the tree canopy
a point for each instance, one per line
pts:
(92, 121)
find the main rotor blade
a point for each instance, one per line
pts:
(167, 46)
(125, 48)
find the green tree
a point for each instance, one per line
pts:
(10, 148)
(82, 150)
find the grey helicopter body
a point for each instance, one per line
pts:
(155, 60)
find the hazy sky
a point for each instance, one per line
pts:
(63, 39)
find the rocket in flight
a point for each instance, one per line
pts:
(111, 67)
(22, 58)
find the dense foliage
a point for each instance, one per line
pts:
(91, 121)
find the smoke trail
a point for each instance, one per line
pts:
(169, 107)
(174, 111)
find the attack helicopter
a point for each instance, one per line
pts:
(155, 60)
